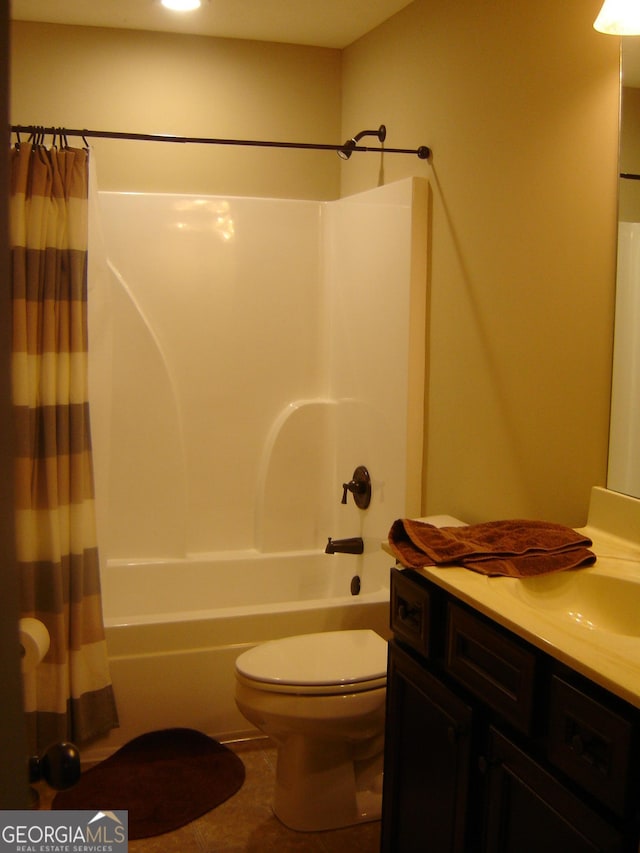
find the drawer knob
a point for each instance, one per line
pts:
(409, 613)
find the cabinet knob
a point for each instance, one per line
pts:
(485, 763)
(454, 731)
(577, 744)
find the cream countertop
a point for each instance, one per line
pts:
(588, 618)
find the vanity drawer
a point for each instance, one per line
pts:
(411, 612)
(590, 743)
(492, 665)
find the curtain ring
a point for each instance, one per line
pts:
(34, 137)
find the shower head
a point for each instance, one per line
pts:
(347, 149)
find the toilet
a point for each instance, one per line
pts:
(321, 699)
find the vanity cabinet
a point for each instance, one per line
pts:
(493, 745)
(432, 729)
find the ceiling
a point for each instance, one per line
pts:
(328, 23)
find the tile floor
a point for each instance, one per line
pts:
(246, 824)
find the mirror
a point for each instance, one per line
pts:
(624, 439)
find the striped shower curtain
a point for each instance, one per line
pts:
(69, 695)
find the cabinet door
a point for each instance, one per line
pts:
(427, 754)
(529, 811)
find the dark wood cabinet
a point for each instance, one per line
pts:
(432, 729)
(492, 745)
(529, 811)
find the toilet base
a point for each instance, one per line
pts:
(321, 784)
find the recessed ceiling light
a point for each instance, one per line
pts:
(181, 5)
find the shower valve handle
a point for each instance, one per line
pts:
(354, 487)
(360, 488)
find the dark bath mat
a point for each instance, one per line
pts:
(164, 779)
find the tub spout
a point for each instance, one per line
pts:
(345, 546)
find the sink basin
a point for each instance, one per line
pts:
(596, 602)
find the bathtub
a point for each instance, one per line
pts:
(175, 627)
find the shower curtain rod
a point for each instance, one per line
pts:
(343, 150)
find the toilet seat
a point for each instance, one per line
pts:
(317, 664)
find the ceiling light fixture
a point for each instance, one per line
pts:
(619, 18)
(181, 5)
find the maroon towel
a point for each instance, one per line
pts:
(514, 547)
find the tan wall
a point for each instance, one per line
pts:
(131, 81)
(519, 101)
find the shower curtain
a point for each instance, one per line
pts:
(69, 695)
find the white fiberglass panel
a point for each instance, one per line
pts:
(376, 254)
(224, 294)
(247, 355)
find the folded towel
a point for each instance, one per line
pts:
(514, 547)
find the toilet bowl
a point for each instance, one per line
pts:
(321, 699)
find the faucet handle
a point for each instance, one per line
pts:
(360, 488)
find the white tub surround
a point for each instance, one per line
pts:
(243, 364)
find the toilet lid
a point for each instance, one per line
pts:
(329, 659)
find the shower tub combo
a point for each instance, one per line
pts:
(224, 429)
